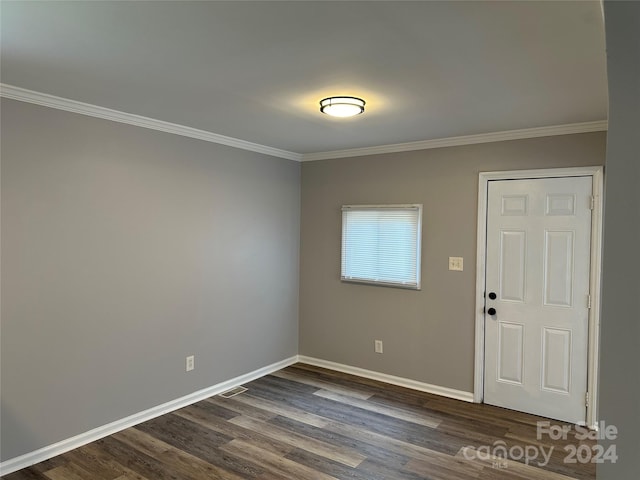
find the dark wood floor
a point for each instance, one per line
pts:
(307, 423)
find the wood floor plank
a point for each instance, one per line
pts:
(237, 432)
(183, 434)
(479, 411)
(344, 455)
(193, 456)
(408, 396)
(95, 451)
(50, 464)
(333, 435)
(129, 476)
(241, 408)
(25, 474)
(426, 420)
(143, 442)
(274, 463)
(326, 466)
(279, 386)
(472, 429)
(145, 465)
(349, 391)
(527, 471)
(444, 469)
(309, 423)
(360, 418)
(378, 470)
(69, 471)
(391, 445)
(348, 430)
(281, 409)
(99, 468)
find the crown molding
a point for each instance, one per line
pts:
(571, 128)
(44, 99)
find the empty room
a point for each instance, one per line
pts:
(318, 240)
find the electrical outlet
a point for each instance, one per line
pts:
(377, 345)
(190, 363)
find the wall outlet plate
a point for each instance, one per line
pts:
(377, 345)
(190, 363)
(455, 263)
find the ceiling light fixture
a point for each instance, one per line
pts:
(342, 106)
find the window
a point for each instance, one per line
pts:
(381, 244)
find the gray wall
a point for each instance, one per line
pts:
(620, 340)
(428, 335)
(123, 251)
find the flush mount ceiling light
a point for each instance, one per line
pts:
(342, 106)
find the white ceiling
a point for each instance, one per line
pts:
(255, 71)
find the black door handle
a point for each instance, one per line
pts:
(492, 295)
(491, 311)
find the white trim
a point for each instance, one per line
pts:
(481, 252)
(31, 458)
(52, 101)
(571, 128)
(596, 264)
(44, 99)
(595, 292)
(393, 380)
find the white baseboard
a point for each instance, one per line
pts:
(31, 458)
(383, 377)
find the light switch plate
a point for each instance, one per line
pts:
(455, 263)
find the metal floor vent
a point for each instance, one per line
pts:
(233, 392)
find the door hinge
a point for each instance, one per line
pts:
(588, 301)
(586, 399)
(592, 205)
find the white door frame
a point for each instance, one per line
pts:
(594, 281)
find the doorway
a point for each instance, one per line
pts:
(538, 291)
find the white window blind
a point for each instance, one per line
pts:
(381, 244)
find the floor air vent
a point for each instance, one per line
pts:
(233, 392)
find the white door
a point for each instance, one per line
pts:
(537, 280)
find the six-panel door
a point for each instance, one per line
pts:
(537, 264)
